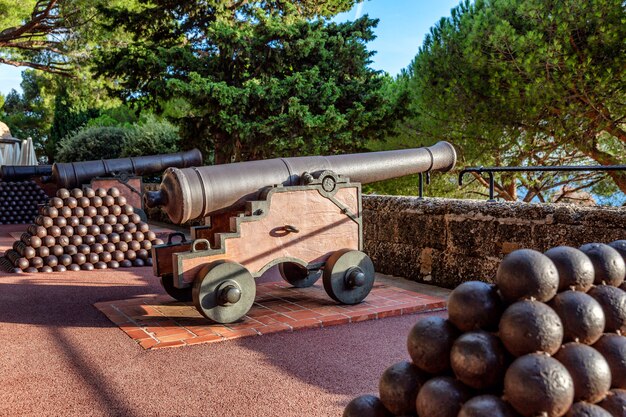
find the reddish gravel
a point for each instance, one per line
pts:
(60, 356)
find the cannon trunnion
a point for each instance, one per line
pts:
(298, 213)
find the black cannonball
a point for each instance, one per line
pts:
(48, 241)
(113, 264)
(530, 326)
(92, 258)
(536, 384)
(56, 250)
(399, 385)
(478, 359)
(109, 247)
(79, 258)
(613, 302)
(149, 262)
(31, 270)
(22, 263)
(121, 246)
(130, 227)
(615, 403)
(574, 267)
(118, 255)
(429, 343)
(589, 371)
(65, 259)
(67, 230)
(100, 265)
(613, 347)
(608, 264)
(55, 231)
(526, 273)
(105, 257)
(106, 229)
(366, 406)
(45, 268)
(138, 262)
(59, 268)
(51, 260)
(63, 240)
(487, 405)
(134, 245)
(441, 396)
(93, 230)
(130, 255)
(475, 305)
(36, 262)
(98, 220)
(42, 251)
(143, 254)
(118, 228)
(87, 266)
(70, 250)
(126, 263)
(583, 409)
(581, 315)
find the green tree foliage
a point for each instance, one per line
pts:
(151, 136)
(534, 82)
(249, 80)
(92, 143)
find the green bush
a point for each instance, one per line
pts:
(92, 143)
(151, 136)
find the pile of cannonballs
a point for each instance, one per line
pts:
(83, 229)
(546, 340)
(19, 201)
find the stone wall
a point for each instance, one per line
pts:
(445, 242)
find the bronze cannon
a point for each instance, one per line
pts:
(302, 213)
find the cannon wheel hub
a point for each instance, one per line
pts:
(348, 276)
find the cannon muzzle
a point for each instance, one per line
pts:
(74, 174)
(24, 172)
(192, 193)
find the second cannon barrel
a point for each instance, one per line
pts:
(191, 193)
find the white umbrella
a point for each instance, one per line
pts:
(8, 154)
(1, 158)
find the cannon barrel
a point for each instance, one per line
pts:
(192, 193)
(74, 174)
(24, 172)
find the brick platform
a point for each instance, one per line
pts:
(159, 322)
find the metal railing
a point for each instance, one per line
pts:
(565, 168)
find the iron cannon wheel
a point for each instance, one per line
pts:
(180, 294)
(297, 275)
(348, 276)
(223, 291)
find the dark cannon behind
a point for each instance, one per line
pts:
(24, 172)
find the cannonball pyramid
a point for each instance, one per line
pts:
(83, 229)
(19, 201)
(548, 339)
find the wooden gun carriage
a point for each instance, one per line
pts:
(298, 213)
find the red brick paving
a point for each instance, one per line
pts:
(156, 322)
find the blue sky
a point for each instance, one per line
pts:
(401, 30)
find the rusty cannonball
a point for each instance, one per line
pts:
(113, 264)
(131, 255)
(86, 221)
(45, 269)
(118, 255)
(32, 241)
(487, 405)
(73, 221)
(98, 220)
(143, 227)
(134, 245)
(110, 219)
(441, 396)
(114, 237)
(81, 230)
(526, 273)
(581, 315)
(138, 236)
(608, 264)
(138, 262)
(79, 258)
(126, 263)
(157, 242)
(478, 359)
(65, 212)
(90, 211)
(83, 202)
(55, 202)
(536, 384)
(126, 237)
(87, 266)
(51, 260)
(101, 192)
(615, 403)
(29, 252)
(92, 258)
(108, 201)
(121, 246)
(105, 257)
(22, 263)
(63, 193)
(143, 254)
(100, 265)
(76, 193)
(475, 305)
(109, 247)
(150, 235)
(76, 240)
(31, 270)
(366, 406)
(46, 221)
(589, 371)
(613, 302)
(63, 240)
(48, 241)
(66, 230)
(56, 250)
(89, 192)
(102, 239)
(115, 210)
(118, 228)
(398, 387)
(51, 212)
(574, 267)
(65, 259)
(36, 262)
(530, 326)
(42, 251)
(128, 210)
(70, 202)
(146, 244)
(96, 248)
(120, 200)
(83, 248)
(102, 211)
(60, 221)
(54, 231)
(106, 229)
(78, 212)
(583, 409)
(70, 250)
(41, 231)
(89, 239)
(130, 227)
(613, 347)
(113, 192)
(59, 268)
(429, 343)
(73, 267)
(93, 230)
(96, 201)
